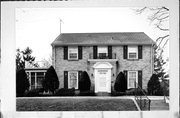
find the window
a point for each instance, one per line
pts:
(73, 53)
(73, 79)
(40, 77)
(132, 52)
(132, 77)
(35, 79)
(102, 52)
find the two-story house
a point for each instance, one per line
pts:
(103, 56)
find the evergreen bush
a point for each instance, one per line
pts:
(154, 87)
(51, 81)
(65, 92)
(22, 83)
(120, 83)
(84, 82)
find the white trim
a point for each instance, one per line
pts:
(30, 79)
(69, 79)
(102, 65)
(136, 78)
(35, 77)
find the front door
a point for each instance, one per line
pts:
(103, 80)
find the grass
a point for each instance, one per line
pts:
(75, 104)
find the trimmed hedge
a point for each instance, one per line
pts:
(51, 81)
(34, 92)
(115, 93)
(84, 82)
(132, 91)
(22, 83)
(86, 93)
(65, 92)
(120, 83)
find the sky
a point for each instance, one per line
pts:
(39, 27)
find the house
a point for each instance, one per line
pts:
(103, 56)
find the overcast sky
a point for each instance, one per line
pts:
(38, 28)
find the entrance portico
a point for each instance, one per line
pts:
(102, 76)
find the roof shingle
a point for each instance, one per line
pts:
(118, 38)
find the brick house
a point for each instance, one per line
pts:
(103, 56)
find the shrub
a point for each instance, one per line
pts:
(33, 93)
(65, 92)
(116, 93)
(87, 93)
(84, 82)
(154, 87)
(136, 91)
(22, 83)
(51, 82)
(120, 83)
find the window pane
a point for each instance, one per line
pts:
(73, 55)
(102, 55)
(40, 77)
(132, 55)
(132, 79)
(102, 50)
(32, 80)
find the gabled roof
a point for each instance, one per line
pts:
(116, 38)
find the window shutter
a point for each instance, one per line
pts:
(125, 51)
(79, 52)
(140, 78)
(94, 52)
(66, 79)
(79, 77)
(140, 52)
(65, 52)
(126, 76)
(110, 52)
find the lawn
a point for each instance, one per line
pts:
(75, 104)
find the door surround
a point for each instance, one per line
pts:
(102, 76)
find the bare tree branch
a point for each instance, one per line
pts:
(162, 38)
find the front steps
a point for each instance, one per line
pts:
(103, 94)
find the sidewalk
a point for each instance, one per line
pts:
(158, 103)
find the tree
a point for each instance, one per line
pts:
(51, 81)
(22, 82)
(84, 82)
(158, 66)
(154, 87)
(120, 83)
(159, 17)
(23, 57)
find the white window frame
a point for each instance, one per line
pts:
(75, 49)
(136, 78)
(133, 49)
(102, 49)
(69, 79)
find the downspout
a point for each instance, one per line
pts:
(152, 59)
(53, 56)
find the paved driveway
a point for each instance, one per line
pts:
(75, 104)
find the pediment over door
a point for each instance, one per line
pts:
(102, 65)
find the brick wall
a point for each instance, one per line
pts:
(144, 64)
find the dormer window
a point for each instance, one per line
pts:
(132, 52)
(73, 53)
